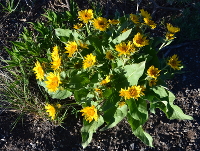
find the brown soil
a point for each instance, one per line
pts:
(32, 134)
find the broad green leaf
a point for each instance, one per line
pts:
(63, 32)
(161, 91)
(111, 98)
(143, 136)
(122, 37)
(80, 94)
(80, 80)
(138, 110)
(175, 112)
(88, 129)
(60, 94)
(165, 103)
(134, 72)
(113, 116)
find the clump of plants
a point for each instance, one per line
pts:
(111, 68)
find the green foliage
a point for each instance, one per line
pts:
(10, 6)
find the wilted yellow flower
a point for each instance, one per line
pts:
(85, 15)
(89, 61)
(71, 48)
(145, 14)
(78, 26)
(150, 23)
(58, 105)
(169, 36)
(122, 103)
(124, 30)
(105, 81)
(134, 18)
(38, 71)
(109, 55)
(152, 82)
(99, 91)
(114, 21)
(172, 29)
(51, 110)
(90, 113)
(139, 40)
(83, 45)
(100, 23)
(124, 48)
(174, 63)
(153, 72)
(53, 81)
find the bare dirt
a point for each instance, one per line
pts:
(33, 134)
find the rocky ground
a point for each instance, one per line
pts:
(32, 134)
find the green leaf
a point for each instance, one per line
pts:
(113, 116)
(63, 32)
(134, 72)
(88, 129)
(122, 37)
(138, 131)
(111, 98)
(80, 80)
(143, 136)
(80, 94)
(165, 101)
(138, 110)
(60, 94)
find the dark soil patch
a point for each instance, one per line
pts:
(33, 134)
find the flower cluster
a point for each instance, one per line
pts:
(111, 68)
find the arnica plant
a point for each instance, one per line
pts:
(112, 69)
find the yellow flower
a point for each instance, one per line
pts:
(90, 113)
(152, 82)
(56, 63)
(174, 63)
(55, 52)
(120, 104)
(124, 48)
(132, 92)
(124, 93)
(114, 21)
(134, 18)
(153, 72)
(89, 61)
(38, 71)
(105, 81)
(150, 23)
(85, 15)
(71, 48)
(109, 55)
(51, 110)
(139, 40)
(78, 26)
(53, 81)
(169, 36)
(145, 14)
(135, 91)
(100, 23)
(172, 29)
